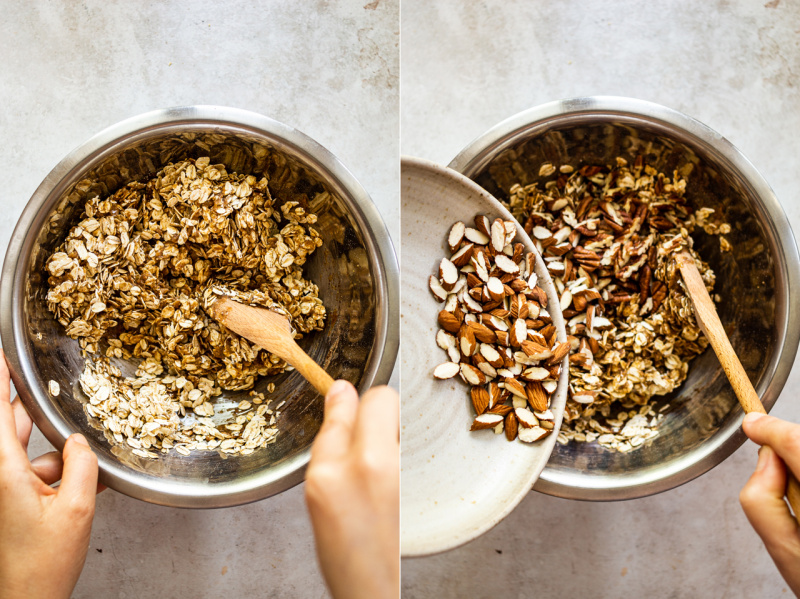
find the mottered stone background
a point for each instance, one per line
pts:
(732, 64)
(71, 68)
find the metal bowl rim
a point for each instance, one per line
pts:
(552, 115)
(376, 238)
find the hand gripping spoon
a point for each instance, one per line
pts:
(709, 322)
(273, 332)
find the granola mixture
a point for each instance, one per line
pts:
(133, 280)
(496, 330)
(608, 235)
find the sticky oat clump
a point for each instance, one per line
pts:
(133, 279)
(608, 235)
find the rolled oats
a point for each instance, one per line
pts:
(132, 281)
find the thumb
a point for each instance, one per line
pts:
(335, 434)
(763, 504)
(79, 481)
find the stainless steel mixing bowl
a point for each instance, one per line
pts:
(756, 280)
(356, 271)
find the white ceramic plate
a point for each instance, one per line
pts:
(455, 485)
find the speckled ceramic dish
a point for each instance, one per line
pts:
(456, 485)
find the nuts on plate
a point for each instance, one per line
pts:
(496, 329)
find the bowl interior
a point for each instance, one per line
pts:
(706, 414)
(344, 268)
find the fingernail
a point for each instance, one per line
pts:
(753, 416)
(336, 389)
(80, 439)
(764, 455)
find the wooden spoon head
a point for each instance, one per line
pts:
(229, 312)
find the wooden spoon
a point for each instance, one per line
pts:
(709, 322)
(273, 332)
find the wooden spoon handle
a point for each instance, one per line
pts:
(312, 371)
(707, 318)
(709, 321)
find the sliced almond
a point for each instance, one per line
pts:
(530, 265)
(454, 353)
(480, 399)
(483, 333)
(473, 280)
(550, 386)
(503, 338)
(485, 421)
(519, 332)
(495, 288)
(472, 304)
(506, 264)
(511, 232)
(485, 367)
(495, 322)
(526, 417)
(536, 396)
(491, 355)
(515, 387)
(481, 269)
(601, 323)
(482, 224)
(531, 435)
(541, 233)
(438, 291)
(566, 299)
(472, 375)
(475, 236)
(560, 351)
(446, 370)
(448, 274)
(535, 351)
(449, 322)
(460, 284)
(466, 340)
(511, 426)
(456, 235)
(536, 373)
(462, 256)
(445, 340)
(498, 235)
(496, 394)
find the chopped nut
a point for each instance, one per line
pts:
(491, 300)
(607, 235)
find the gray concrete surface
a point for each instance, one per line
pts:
(69, 69)
(732, 64)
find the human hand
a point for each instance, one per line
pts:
(353, 493)
(45, 531)
(762, 496)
